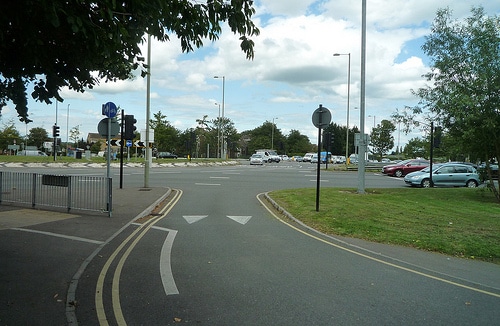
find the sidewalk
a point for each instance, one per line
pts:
(40, 252)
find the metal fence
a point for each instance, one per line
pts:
(62, 191)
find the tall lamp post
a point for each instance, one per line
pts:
(272, 134)
(218, 133)
(223, 142)
(348, 97)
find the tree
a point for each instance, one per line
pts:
(74, 134)
(166, 135)
(58, 43)
(297, 144)
(416, 147)
(465, 73)
(381, 138)
(36, 137)
(9, 135)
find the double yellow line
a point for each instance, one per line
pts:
(131, 241)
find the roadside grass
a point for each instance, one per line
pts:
(461, 222)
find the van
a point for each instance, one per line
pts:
(31, 153)
(307, 157)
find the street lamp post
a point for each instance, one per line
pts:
(348, 98)
(370, 116)
(218, 132)
(272, 135)
(223, 141)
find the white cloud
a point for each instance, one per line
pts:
(294, 69)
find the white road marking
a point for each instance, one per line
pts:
(240, 219)
(207, 184)
(167, 278)
(193, 218)
(60, 235)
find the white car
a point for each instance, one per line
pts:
(307, 157)
(256, 159)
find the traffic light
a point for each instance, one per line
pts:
(130, 127)
(327, 140)
(55, 131)
(438, 131)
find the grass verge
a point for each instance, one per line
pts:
(460, 222)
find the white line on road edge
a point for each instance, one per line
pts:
(60, 235)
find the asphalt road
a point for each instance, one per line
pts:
(217, 255)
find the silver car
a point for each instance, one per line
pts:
(256, 159)
(446, 174)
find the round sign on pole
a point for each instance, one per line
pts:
(102, 128)
(321, 117)
(128, 143)
(109, 109)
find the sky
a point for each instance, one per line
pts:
(293, 72)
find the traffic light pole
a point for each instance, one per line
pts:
(121, 148)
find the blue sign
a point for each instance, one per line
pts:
(129, 143)
(109, 109)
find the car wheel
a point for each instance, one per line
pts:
(426, 183)
(398, 173)
(471, 184)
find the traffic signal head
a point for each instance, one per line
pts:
(55, 131)
(130, 127)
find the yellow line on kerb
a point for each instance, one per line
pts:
(101, 314)
(376, 259)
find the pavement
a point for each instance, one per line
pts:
(44, 253)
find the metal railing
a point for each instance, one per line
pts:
(63, 191)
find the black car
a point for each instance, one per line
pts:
(165, 155)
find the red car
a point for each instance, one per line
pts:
(403, 168)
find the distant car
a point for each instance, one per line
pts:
(447, 174)
(314, 158)
(483, 173)
(297, 158)
(165, 155)
(31, 153)
(307, 157)
(340, 160)
(256, 159)
(284, 158)
(404, 167)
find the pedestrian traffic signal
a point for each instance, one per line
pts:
(130, 127)
(55, 131)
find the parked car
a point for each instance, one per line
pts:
(404, 167)
(256, 159)
(340, 159)
(483, 173)
(165, 155)
(307, 157)
(31, 153)
(446, 174)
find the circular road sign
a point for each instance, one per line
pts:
(102, 128)
(321, 117)
(109, 109)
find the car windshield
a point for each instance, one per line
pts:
(434, 168)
